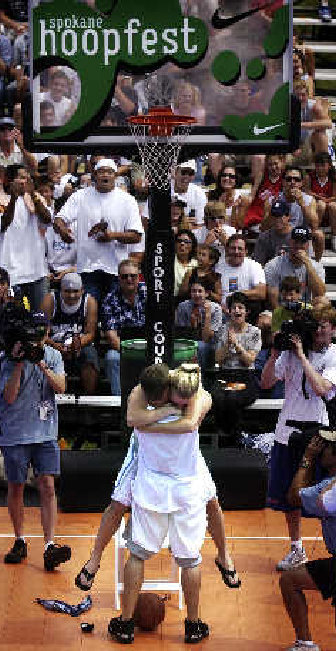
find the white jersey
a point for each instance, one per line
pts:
(167, 477)
(296, 406)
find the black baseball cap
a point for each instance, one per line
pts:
(279, 208)
(301, 233)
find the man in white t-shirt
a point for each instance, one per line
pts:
(22, 241)
(241, 274)
(108, 221)
(184, 189)
(57, 96)
(310, 377)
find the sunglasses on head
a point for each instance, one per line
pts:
(125, 276)
(290, 178)
(228, 175)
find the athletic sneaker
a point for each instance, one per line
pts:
(302, 646)
(17, 553)
(54, 555)
(294, 558)
(121, 630)
(324, 13)
(195, 631)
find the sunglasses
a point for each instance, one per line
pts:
(293, 179)
(181, 240)
(6, 127)
(185, 172)
(227, 175)
(125, 276)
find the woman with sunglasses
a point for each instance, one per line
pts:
(227, 192)
(185, 256)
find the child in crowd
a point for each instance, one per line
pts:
(290, 302)
(207, 258)
(320, 183)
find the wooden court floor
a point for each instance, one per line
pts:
(249, 619)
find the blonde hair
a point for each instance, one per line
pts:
(185, 380)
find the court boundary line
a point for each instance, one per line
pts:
(86, 536)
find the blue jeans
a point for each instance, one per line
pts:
(98, 284)
(112, 369)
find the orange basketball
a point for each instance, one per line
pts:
(150, 611)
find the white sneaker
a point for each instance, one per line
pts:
(302, 646)
(294, 558)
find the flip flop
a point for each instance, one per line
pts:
(89, 576)
(227, 574)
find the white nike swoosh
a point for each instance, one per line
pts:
(259, 132)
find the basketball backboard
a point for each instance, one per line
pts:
(225, 62)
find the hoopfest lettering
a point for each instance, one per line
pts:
(59, 36)
(139, 34)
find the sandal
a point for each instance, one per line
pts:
(89, 577)
(227, 575)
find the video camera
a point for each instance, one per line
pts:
(19, 325)
(304, 325)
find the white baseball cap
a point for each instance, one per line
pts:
(106, 162)
(189, 164)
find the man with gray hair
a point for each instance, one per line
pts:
(72, 314)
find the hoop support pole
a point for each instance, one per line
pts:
(160, 254)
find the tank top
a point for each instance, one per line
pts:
(64, 326)
(267, 190)
(324, 190)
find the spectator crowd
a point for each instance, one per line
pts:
(249, 230)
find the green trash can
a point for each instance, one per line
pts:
(133, 360)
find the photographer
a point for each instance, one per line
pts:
(318, 500)
(309, 373)
(31, 374)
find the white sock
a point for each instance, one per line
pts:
(297, 544)
(307, 643)
(50, 542)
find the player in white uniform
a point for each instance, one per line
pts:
(167, 498)
(154, 390)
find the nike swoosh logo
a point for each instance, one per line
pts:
(259, 132)
(222, 23)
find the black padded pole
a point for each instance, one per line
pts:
(160, 252)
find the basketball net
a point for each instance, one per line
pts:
(159, 135)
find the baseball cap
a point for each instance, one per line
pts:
(189, 164)
(7, 122)
(106, 162)
(328, 435)
(71, 281)
(279, 207)
(301, 233)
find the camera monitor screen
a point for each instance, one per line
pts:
(227, 63)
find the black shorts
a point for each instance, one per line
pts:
(323, 573)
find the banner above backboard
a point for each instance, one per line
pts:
(96, 62)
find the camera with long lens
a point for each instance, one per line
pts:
(19, 325)
(303, 325)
